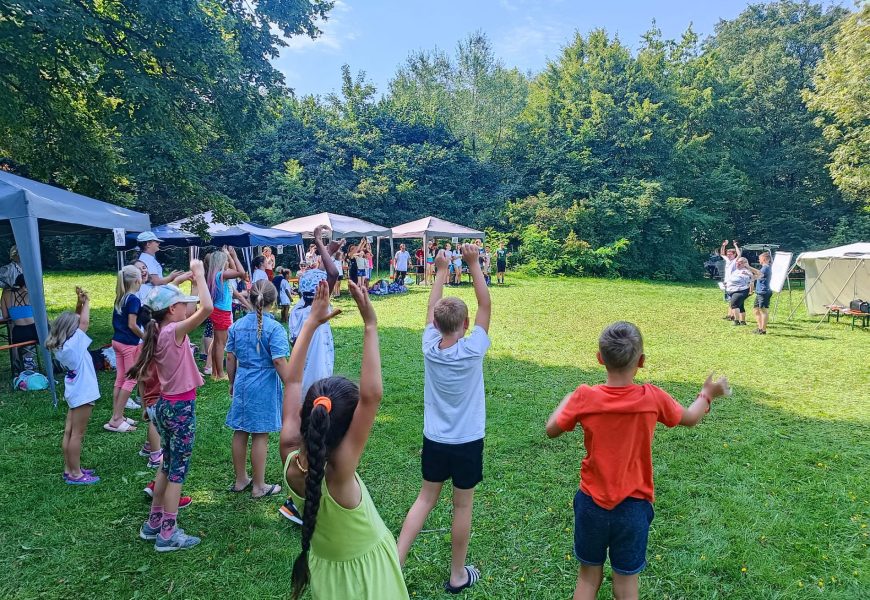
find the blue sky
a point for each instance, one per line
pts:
(377, 35)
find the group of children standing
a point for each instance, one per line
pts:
(325, 422)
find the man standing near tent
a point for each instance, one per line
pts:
(150, 244)
(402, 259)
(730, 256)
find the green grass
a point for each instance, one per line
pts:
(767, 498)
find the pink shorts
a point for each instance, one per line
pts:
(125, 358)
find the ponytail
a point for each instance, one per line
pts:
(315, 437)
(149, 344)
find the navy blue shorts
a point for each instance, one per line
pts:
(623, 531)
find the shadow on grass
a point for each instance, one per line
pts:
(751, 487)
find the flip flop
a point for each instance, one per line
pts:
(234, 490)
(273, 490)
(124, 427)
(129, 421)
(473, 576)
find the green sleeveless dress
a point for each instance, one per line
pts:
(353, 554)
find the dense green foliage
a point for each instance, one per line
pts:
(610, 161)
(766, 498)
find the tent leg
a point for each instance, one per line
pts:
(851, 275)
(807, 291)
(26, 232)
(378, 256)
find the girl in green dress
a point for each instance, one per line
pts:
(347, 551)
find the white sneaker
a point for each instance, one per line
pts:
(131, 405)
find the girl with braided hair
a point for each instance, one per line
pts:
(347, 551)
(257, 351)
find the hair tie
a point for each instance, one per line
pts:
(324, 402)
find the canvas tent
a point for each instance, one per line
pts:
(30, 210)
(432, 227)
(341, 226)
(836, 276)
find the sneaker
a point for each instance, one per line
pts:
(290, 511)
(145, 450)
(762, 331)
(184, 501)
(154, 463)
(178, 541)
(146, 532)
(149, 489)
(132, 405)
(727, 318)
(736, 323)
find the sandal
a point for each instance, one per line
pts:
(124, 427)
(129, 421)
(85, 479)
(273, 490)
(473, 576)
(85, 471)
(234, 490)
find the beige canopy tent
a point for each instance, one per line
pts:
(429, 228)
(836, 276)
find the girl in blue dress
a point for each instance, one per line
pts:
(257, 365)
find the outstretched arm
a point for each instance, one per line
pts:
(722, 249)
(205, 304)
(293, 372)
(553, 429)
(371, 390)
(737, 249)
(326, 257)
(442, 265)
(471, 255)
(83, 309)
(701, 406)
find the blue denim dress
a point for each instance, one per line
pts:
(257, 390)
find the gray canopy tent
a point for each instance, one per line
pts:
(429, 228)
(29, 210)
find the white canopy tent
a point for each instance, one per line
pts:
(341, 226)
(30, 209)
(429, 228)
(836, 276)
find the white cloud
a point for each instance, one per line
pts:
(530, 44)
(336, 31)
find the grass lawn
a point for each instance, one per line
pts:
(767, 498)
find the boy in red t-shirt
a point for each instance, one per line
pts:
(613, 507)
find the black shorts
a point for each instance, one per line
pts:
(500, 267)
(463, 463)
(763, 300)
(738, 298)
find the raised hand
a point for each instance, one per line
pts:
(441, 260)
(470, 253)
(82, 295)
(318, 231)
(363, 303)
(196, 269)
(320, 310)
(335, 245)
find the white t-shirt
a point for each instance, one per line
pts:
(457, 258)
(402, 258)
(320, 360)
(80, 381)
(730, 267)
(154, 267)
(143, 292)
(259, 275)
(339, 265)
(454, 404)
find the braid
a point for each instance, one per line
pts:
(316, 450)
(259, 308)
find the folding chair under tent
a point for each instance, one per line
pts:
(30, 210)
(835, 276)
(342, 227)
(243, 235)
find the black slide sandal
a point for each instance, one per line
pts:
(473, 576)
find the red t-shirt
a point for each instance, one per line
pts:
(150, 386)
(618, 425)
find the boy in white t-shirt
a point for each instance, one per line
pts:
(454, 413)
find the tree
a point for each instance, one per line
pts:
(840, 96)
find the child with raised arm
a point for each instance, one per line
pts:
(347, 551)
(69, 341)
(167, 345)
(613, 507)
(454, 413)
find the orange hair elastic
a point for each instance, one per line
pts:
(324, 402)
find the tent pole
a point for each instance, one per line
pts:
(378, 255)
(851, 275)
(807, 290)
(26, 233)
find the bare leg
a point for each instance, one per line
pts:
(588, 582)
(421, 508)
(757, 312)
(160, 482)
(64, 445)
(259, 450)
(78, 424)
(153, 438)
(763, 321)
(625, 587)
(463, 502)
(217, 355)
(240, 459)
